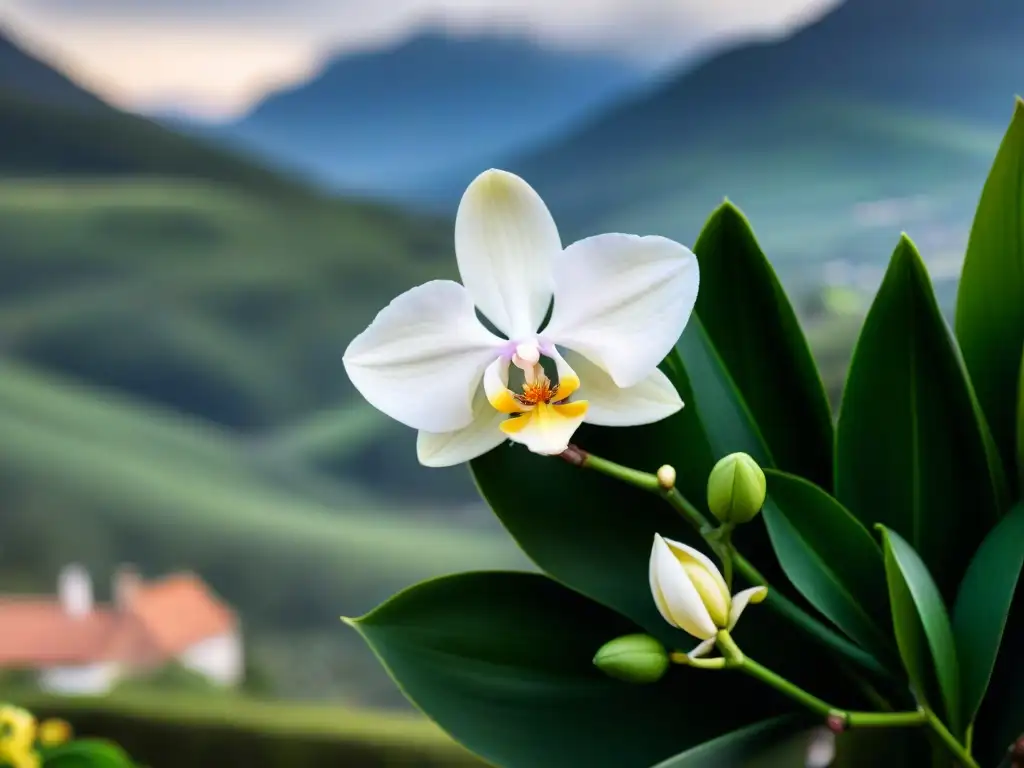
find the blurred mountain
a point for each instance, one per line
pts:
(53, 127)
(390, 121)
(23, 74)
(882, 115)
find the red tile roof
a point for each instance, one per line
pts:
(161, 620)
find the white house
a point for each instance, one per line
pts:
(79, 647)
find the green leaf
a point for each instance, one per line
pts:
(784, 741)
(503, 662)
(990, 299)
(86, 753)
(1020, 426)
(923, 631)
(716, 423)
(749, 747)
(1000, 721)
(983, 605)
(912, 451)
(590, 532)
(594, 534)
(749, 320)
(831, 558)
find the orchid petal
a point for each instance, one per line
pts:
(623, 301)
(506, 243)
(449, 448)
(741, 599)
(496, 388)
(675, 595)
(546, 429)
(422, 357)
(684, 552)
(652, 399)
(704, 648)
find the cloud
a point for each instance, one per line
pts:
(216, 56)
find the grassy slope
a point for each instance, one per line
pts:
(215, 302)
(404, 735)
(192, 493)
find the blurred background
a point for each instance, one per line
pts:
(202, 202)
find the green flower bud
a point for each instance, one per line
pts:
(736, 489)
(633, 658)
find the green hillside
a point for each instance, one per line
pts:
(107, 480)
(222, 317)
(172, 320)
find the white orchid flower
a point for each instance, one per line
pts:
(692, 595)
(620, 304)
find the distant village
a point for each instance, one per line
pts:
(73, 645)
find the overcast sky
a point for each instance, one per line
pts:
(215, 57)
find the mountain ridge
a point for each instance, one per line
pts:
(469, 97)
(27, 75)
(875, 100)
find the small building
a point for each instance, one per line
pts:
(76, 646)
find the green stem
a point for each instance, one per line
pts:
(955, 747)
(780, 603)
(643, 480)
(813, 703)
(736, 659)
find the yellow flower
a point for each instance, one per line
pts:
(27, 759)
(53, 732)
(17, 737)
(17, 729)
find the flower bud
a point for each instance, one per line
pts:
(690, 593)
(633, 658)
(667, 477)
(736, 489)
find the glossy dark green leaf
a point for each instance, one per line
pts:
(831, 558)
(983, 605)
(751, 747)
(990, 299)
(87, 753)
(749, 320)
(1000, 720)
(912, 451)
(783, 742)
(503, 662)
(590, 532)
(594, 534)
(726, 420)
(720, 420)
(1020, 427)
(923, 631)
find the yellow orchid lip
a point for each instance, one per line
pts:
(541, 415)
